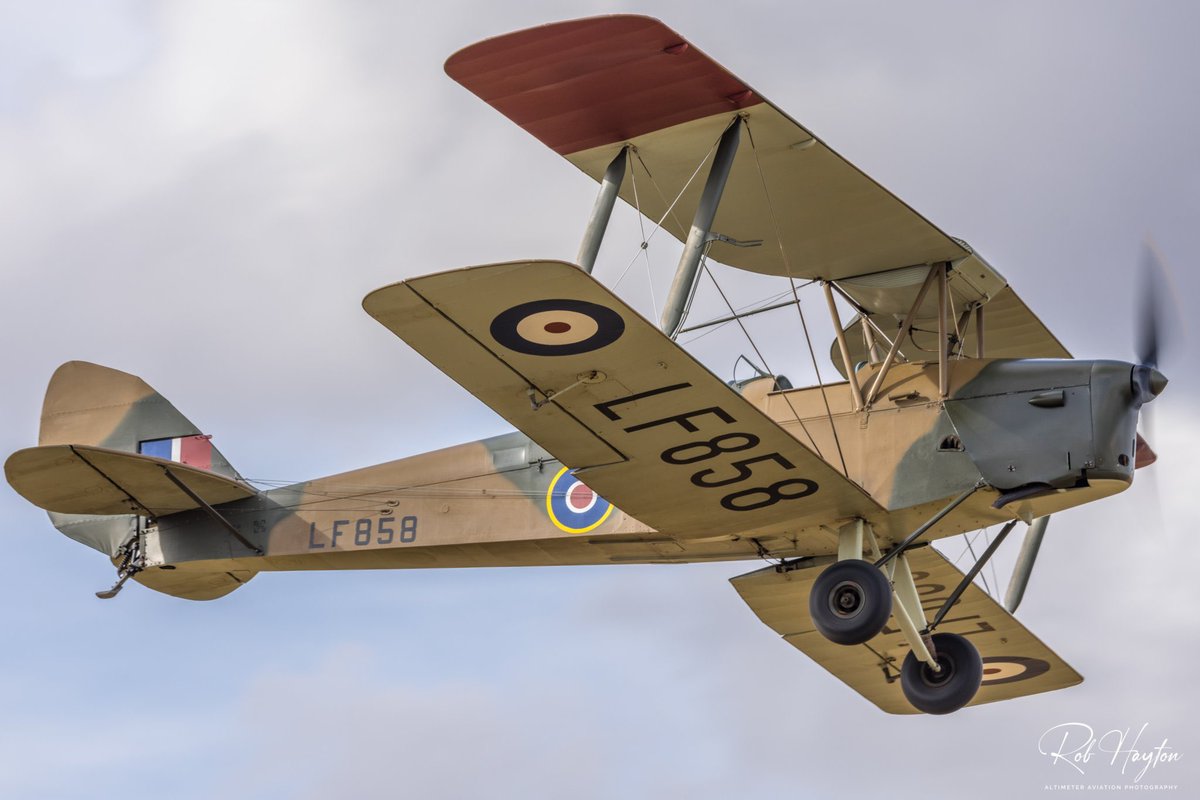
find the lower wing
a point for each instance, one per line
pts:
(642, 422)
(1015, 662)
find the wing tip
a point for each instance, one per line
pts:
(456, 63)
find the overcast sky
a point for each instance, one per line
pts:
(201, 193)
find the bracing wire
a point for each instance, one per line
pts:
(645, 248)
(670, 207)
(659, 191)
(366, 498)
(963, 552)
(992, 563)
(981, 575)
(792, 281)
(741, 311)
(757, 352)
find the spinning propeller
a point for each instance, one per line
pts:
(1153, 318)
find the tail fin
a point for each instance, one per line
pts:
(90, 405)
(93, 405)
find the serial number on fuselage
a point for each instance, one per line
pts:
(363, 532)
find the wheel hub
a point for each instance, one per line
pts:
(846, 599)
(940, 677)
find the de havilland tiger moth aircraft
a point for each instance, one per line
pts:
(958, 409)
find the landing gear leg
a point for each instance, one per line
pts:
(851, 600)
(906, 606)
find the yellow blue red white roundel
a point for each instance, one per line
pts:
(572, 506)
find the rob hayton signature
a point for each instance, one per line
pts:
(1076, 745)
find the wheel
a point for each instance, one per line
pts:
(952, 687)
(850, 601)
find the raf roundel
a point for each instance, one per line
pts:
(1006, 669)
(572, 506)
(557, 327)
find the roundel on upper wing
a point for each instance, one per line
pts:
(572, 506)
(557, 327)
(1006, 669)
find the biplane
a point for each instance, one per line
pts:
(956, 408)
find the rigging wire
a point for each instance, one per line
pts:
(795, 295)
(761, 357)
(670, 208)
(373, 498)
(964, 550)
(821, 383)
(992, 562)
(368, 493)
(741, 312)
(770, 303)
(658, 189)
(982, 576)
(645, 248)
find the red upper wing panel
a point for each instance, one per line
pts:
(591, 82)
(587, 87)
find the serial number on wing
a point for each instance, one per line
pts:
(729, 475)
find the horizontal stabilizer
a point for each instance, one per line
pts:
(79, 479)
(642, 422)
(1015, 662)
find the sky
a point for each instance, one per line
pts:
(202, 193)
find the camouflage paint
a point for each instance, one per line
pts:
(485, 503)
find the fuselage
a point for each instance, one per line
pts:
(1051, 434)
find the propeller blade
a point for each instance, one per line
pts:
(1143, 455)
(1149, 310)
(1157, 315)
(1146, 343)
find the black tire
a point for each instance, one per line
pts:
(850, 602)
(953, 687)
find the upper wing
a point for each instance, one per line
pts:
(81, 479)
(1015, 662)
(1012, 330)
(587, 87)
(642, 422)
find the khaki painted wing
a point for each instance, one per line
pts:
(1015, 662)
(587, 87)
(78, 479)
(642, 422)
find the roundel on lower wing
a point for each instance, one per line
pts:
(1006, 669)
(572, 506)
(557, 327)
